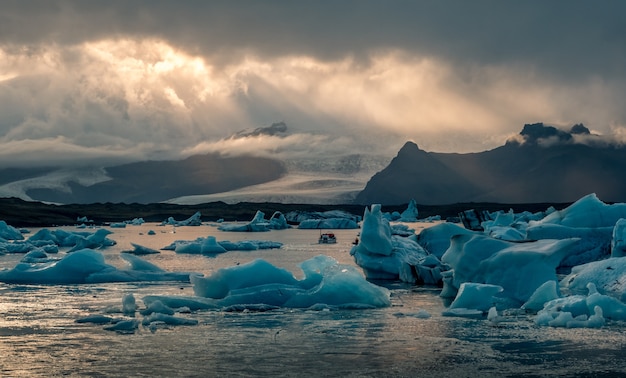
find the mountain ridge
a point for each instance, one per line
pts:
(543, 164)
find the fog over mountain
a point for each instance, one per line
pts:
(541, 164)
(287, 175)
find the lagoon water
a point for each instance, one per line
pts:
(39, 335)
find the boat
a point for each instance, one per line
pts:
(327, 238)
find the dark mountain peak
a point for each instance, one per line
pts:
(409, 149)
(277, 128)
(534, 133)
(579, 129)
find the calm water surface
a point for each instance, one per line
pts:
(39, 336)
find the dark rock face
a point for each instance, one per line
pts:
(526, 172)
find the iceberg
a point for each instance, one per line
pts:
(258, 224)
(589, 211)
(520, 268)
(210, 246)
(385, 256)
(618, 239)
(194, 220)
(329, 223)
(608, 276)
(259, 282)
(9, 232)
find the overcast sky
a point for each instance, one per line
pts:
(111, 81)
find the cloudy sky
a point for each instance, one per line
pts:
(111, 81)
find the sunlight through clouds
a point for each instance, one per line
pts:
(153, 100)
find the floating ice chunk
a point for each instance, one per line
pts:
(384, 256)
(88, 266)
(476, 296)
(609, 276)
(375, 232)
(124, 326)
(594, 243)
(257, 224)
(141, 250)
(547, 292)
(167, 319)
(278, 221)
(259, 282)
(330, 223)
(93, 241)
(157, 306)
(463, 313)
(256, 273)
(301, 216)
(194, 220)
(618, 239)
(209, 246)
(128, 304)
(192, 303)
(118, 225)
(520, 268)
(588, 211)
(436, 239)
(578, 311)
(410, 214)
(9, 232)
(611, 307)
(95, 319)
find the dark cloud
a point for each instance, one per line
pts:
(563, 37)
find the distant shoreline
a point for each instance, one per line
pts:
(20, 213)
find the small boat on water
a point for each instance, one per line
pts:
(327, 238)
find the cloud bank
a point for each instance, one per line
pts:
(99, 83)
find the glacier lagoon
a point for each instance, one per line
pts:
(40, 336)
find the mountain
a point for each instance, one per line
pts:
(543, 164)
(327, 178)
(145, 182)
